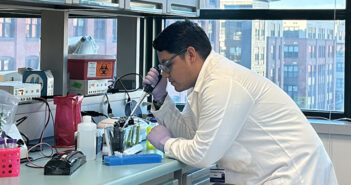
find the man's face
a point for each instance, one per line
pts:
(176, 69)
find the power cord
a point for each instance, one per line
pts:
(19, 122)
(109, 109)
(113, 89)
(50, 115)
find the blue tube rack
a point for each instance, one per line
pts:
(132, 159)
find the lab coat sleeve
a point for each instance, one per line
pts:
(180, 124)
(224, 107)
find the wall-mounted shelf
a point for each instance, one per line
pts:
(102, 8)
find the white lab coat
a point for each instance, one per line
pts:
(247, 125)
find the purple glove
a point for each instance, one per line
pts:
(158, 136)
(151, 78)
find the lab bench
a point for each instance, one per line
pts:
(169, 172)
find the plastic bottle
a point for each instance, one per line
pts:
(11, 143)
(87, 138)
(2, 143)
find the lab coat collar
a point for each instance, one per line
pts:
(206, 67)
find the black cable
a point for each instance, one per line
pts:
(48, 119)
(114, 89)
(21, 120)
(30, 166)
(125, 89)
(24, 160)
(50, 115)
(109, 109)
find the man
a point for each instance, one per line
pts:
(234, 118)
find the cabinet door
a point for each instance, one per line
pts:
(146, 6)
(197, 176)
(189, 8)
(172, 182)
(340, 153)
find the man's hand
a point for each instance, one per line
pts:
(158, 136)
(152, 78)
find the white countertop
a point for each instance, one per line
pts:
(95, 172)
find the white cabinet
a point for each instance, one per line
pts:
(146, 6)
(103, 3)
(189, 8)
(183, 7)
(339, 150)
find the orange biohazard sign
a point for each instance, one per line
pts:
(104, 69)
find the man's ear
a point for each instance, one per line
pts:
(192, 54)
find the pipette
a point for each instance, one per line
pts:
(147, 90)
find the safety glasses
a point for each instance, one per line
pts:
(167, 65)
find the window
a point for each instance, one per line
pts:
(32, 62)
(291, 51)
(7, 64)
(292, 91)
(298, 47)
(33, 28)
(99, 29)
(79, 27)
(7, 28)
(14, 52)
(104, 31)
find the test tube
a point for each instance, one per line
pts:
(11, 143)
(2, 143)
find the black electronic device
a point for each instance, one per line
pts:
(65, 163)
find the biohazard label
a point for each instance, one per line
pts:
(104, 69)
(99, 69)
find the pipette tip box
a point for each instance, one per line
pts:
(132, 159)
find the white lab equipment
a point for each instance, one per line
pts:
(87, 138)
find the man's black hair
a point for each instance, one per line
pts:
(183, 34)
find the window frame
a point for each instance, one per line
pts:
(295, 14)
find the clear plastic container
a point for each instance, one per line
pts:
(11, 143)
(87, 138)
(2, 143)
